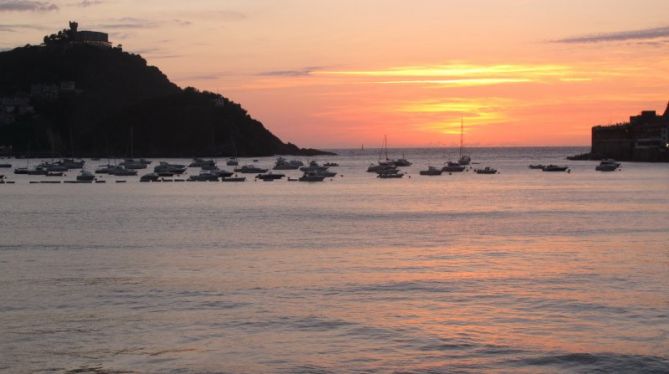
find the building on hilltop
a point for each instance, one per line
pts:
(644, 138)
(74, 36)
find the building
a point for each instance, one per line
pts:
(644, 138)
(96, 38)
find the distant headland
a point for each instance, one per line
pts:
(77, 94)
(644, 138)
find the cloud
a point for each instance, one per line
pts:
(87, 3)
(644, 34)
(17, 27)
(304, 72)
(26, 6)
(128, 23)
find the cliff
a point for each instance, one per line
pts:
(85, 100)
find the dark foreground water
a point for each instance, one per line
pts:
(518, 272)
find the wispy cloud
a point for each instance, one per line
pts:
(461, 75)
(643, 34)
(128, 23)
(26, 6)
(303, 72)
(87, 3)
(12, 27)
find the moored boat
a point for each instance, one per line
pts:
(431, 171)
(486, 170)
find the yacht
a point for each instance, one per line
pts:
(608, 165)
(232, 161)
(283, 164)
(313, 166)
(486, 170)
(431, 170)
(537, 166)
(85, 177)
(453, 167)
(555, 168)
(269, 176)
(311, 177)
(250, 169)
(464, 159)
(150, 177)
(167, 168)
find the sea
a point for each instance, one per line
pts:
(519, 272)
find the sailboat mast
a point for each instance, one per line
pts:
(462, 131)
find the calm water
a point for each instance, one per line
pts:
(523, 271)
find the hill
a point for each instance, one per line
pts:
(73, 97)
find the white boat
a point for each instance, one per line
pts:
(608, 165)
(283, 164)
(453, 167)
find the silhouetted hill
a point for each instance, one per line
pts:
(85, 100)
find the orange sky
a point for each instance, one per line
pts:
(344, 73)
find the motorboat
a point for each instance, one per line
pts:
(608, 165)
(269, 176)
(165, 167)
(21, 171)
(401, 162)
(311, 177)
(233, 179)
(232, 161)
(464, 160)
(313, 166)
(381, 166)
(486, 170)
(453, 167)
(537, 166)
(283, 164)
(85, 177)
(104, 169)
(150, 177)
(5, 166)
(54, 174)
(72, 164)
(204, 176)
(330, 164)
(37, 171)
(134, 164)
(390, 175)
(555, 168)
(121, 171)
(222, 173)
(431, 170)
(203, 164)
(250, 169)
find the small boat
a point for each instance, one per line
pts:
(232, 161)
(269, 176)
(122, 171)
(37, 171)
(400, 162)
(104, 169)
(21, 171)
(313, 166)
(250, 169)
(431, 170)
(453, 167)
(608, 165)
(233, 179)
(150, 177)
(381, 166)
(311, 177)
(204, 176)
(5, 166)
(135, 164)
(222, 173)
(283, 164)
(555, 168)
(54, 174)
(330, 164)
(170, 168)
(486, 170)
(85, 177)
(72, 164)
(390, 175)
(537, 166)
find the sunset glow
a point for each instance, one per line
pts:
(341, 74)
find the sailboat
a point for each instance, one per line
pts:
(464, 159)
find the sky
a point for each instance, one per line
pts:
(340, 74)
